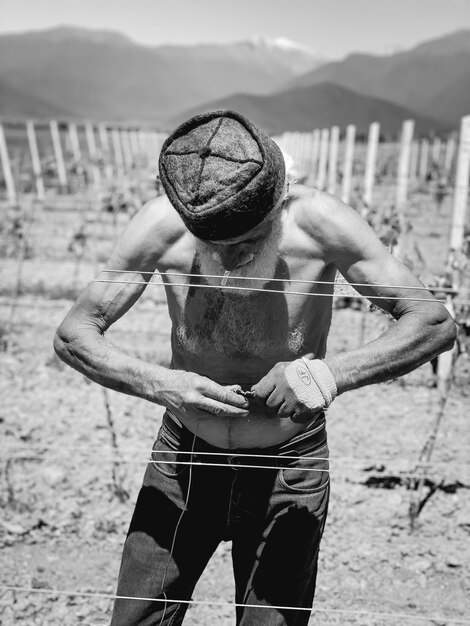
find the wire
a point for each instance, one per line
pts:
(262, 289)
(230, 453)
(110, 596)
(281, 280)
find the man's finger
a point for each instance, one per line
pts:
(225, 395)
(264, 387)
(220, 409)
(275, 399)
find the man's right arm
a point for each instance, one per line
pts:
(80, 340)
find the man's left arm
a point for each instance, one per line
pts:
(423, 327)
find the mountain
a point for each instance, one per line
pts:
(317, 106)
(453, 102)
(105, 75)
(15, 103)
(414, 78)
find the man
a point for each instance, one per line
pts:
(242, 451)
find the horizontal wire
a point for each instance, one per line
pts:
(420, 468)
(262, 289)
(281, 280)
(311, 610)
(145, 451)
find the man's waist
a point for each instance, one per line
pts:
(312, 437)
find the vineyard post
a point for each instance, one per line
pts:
(74, 142)
(321, 174)
(404, 169)
(6, 168)
(449, 155)
(118, 157)
(424, 158)
(348, 163)
(333, 159)
(155, 147)
(414, 160)
(35, 160)
(126, 148)
(58, 154)
(92, 153)
(315, 153)
(134, 143)
(436, 151)
(142, 146)
(105, 150)
(304, 152)
(371, 160)
(460, 191)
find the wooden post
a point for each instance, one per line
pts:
(461, 186)
(423, 160)
(105, 151)
(74, 142)
(414, 160)
(118, 157)
(449, 154)
(333, 159)
(436, 151)
(404, 167)
(35, 160)
(6, 168)
(104, 139)
(126, 148)
(348, 163)
(134, 143)
(92, 153)
(314, 155)
(371, 161)
(321, 176)
(59, 156)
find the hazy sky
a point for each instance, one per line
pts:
(333, 28)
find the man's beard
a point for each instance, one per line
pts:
(239, 322)
(262, 265)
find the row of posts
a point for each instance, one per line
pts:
(316, 156)
(315, 153)
(116, 148)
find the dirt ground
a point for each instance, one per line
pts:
(64, 486)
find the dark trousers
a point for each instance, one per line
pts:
(274, 518)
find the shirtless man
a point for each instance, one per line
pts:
(248, 375)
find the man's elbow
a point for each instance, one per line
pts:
(62, 343)
(67, 343)
(445, 330)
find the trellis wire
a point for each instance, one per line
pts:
(352, 612)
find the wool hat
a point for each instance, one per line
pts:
(222, 174)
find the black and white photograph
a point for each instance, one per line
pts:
(234, 313)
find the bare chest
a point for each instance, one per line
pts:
(224, 333)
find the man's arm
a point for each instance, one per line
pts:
(423, 327)
(80, 340)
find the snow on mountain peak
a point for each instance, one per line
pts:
(280, 43)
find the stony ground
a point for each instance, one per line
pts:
(66, 500)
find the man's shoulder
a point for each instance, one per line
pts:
(159, 216)
(317, 212)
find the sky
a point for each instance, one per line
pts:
(332, 28)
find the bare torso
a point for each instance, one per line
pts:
(268, 328)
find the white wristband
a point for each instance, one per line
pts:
(312, 382)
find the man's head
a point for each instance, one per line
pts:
(222, 174)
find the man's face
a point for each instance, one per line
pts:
(253, 254)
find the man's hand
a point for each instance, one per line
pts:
(299, 389)
(191, 395)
